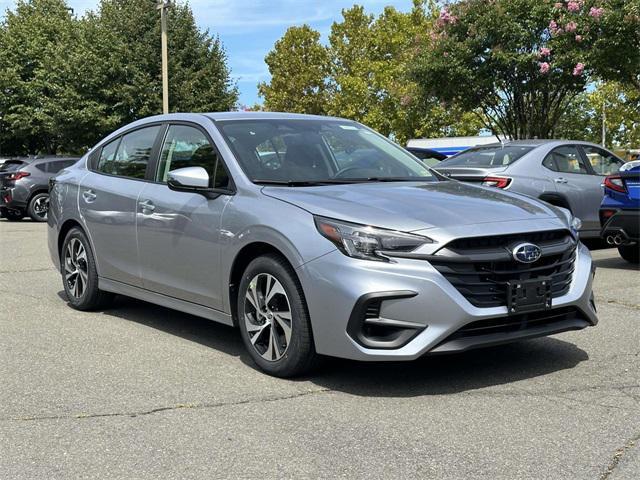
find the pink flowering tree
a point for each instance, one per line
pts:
(521, 62)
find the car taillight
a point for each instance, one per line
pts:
(18, 175)
(615, 183)
(499, 182)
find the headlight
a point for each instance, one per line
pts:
(576, 224)
(370, 243)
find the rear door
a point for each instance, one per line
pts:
(574, 180)
(179, 232)
(108, 201)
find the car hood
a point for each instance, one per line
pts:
(414, 206)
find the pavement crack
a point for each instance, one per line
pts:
(634, 306)
(29, 270)
(617, 456)
(179, 406)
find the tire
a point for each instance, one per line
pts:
(271, 275)
(631, 253)
(38, 207)
(84, 295)
(13, 216)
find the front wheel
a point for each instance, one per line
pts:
(273, 318)
(79, 274)
(631, 253)
(39, 207)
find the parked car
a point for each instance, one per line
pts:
(24, 186)
(567, 174)
(338, 242)
(452, 145)
(620, 211)
(429, 157)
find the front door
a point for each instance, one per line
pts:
(179, 232)
(108, 200)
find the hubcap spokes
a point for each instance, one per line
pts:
(41, 206)
(267, 316)
(75, 268)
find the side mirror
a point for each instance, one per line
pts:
(188, 179)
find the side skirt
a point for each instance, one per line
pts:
(164, 301)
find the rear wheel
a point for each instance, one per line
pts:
(631, 253)
(273, 318)
(79, 274)
(39, 207)
(13, 215)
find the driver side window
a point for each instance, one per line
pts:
(186, 146)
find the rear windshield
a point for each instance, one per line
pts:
(11, 165)
(486, 157)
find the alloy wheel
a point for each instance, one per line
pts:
(267, 316)
(75, 268)
(41, 206)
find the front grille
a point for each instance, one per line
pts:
(479, 268)
(515, 323)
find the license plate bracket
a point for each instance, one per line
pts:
(529, 295)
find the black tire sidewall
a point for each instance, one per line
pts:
(630, 253)
(13, 217)
(300, 353)
(31, 211)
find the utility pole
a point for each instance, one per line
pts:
(163, 5)
(604, 124)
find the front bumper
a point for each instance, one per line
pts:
(424, 300)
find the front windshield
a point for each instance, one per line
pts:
(317, 151)
(494, 156)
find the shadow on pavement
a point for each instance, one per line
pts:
(430, 375)
(615, 262)
(452, 373)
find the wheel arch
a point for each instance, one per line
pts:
(66, 226)
(557, 200)
(242, 259)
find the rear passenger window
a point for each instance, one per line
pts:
(566, 160)
(186, 146)
(129, 156)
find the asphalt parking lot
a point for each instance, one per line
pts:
(140, 391)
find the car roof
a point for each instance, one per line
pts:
(248, 115)
(534, 143)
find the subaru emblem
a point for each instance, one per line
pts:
(526, 253)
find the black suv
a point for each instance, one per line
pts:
(24, 185)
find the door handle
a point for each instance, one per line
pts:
(89, 196)
(147, 206)
(561, 180)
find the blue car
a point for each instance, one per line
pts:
(620, 211)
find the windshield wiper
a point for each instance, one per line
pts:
(393, 179)
(302, 183)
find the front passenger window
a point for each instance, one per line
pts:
(186, 146)
(602, 161)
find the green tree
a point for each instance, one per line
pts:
(65, 82)
(298, 65)
(369, 63)
(362, 75)
(125, 62)
(41, 105)
(518, 62)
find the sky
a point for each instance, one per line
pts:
(249, 28)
